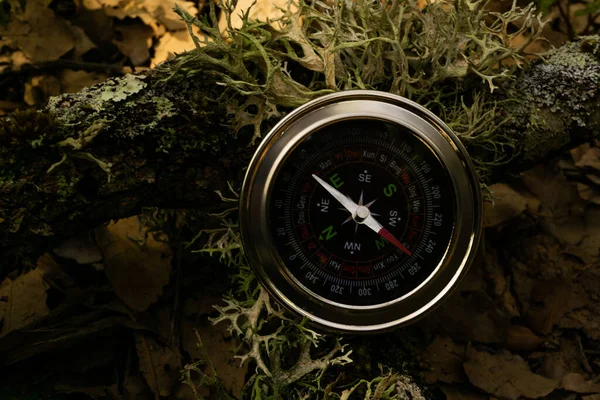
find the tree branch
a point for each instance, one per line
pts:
(151, 140)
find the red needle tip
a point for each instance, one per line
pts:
(390, 238)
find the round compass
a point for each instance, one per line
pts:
(360, 210)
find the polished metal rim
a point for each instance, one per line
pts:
(259, 246)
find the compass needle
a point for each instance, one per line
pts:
(360, 158)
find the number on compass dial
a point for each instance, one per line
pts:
(362, 212)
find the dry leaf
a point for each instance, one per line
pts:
(549, 302)
(220, 351)
(507, 204)
(459, 393)
(153, 13)
(41, 88)
(22, 301)
(137, 272)
(158, 364)
(176, 42)
(93, 392)
(469, 316)
(83, 43)
(261, 9)
(577, 383)
(73, 81)
(522, 338)
(505, 375)
(37, 31)
(81, 249)
(445, 359)
(134, 42)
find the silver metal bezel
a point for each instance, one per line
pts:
(292, 130)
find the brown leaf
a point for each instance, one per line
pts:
(575, 382)
(81, 249)
(94, 392)
(507, 204)
(138, 272)
(505, 375)
(40, 88)
(220, 351)
(261, 9)
(38, 31)
(460, 393)
(158, 364)
(522, 338)
(22, 301)
(73, 81)
(176, 42)
(157, 14)
(134, 42)
(445, 358)
(550, 301)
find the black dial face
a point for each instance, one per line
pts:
(362, 212)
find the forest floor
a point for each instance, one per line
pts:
(525, 323)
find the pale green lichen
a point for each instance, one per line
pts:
(395, 46)
(122, 88)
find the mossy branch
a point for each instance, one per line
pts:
(173, 136)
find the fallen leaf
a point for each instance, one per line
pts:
(81, 249)
(22, 301)
(522, 338)
(138, 272)
(38, 31)
(577, 383)
(134, 41)
(505, 375)
(158, 364)
(460, 393)
(73, 81)
(136, 388)
(556, 364)
(172, 43)
(220, 351)
(83, 43)
(264, 10)
(445, 359)
(469, 316)
(40, 88)
(94, 392)
(549, 301)
(157, 14)
(507, 204)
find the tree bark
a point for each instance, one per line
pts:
(151, 140)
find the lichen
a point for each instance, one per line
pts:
(393, 46)
(575, 77)
(559, 93)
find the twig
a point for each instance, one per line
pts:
(565, 16)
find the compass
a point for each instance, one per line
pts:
(360, 211)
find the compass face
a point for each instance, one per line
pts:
(360, 211)
(399, 182)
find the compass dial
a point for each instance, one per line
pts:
(360, 211)
(396, 179)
